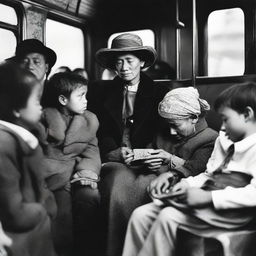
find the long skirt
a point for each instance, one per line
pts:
(122, 190)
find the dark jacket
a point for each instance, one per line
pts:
(69, 147)
(195, 149)
(25, 202)
(105, 99)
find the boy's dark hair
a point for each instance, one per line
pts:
(238, 97)
(63, 83)
(16, 85)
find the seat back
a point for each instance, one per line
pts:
(209, 89)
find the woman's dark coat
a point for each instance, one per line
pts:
(105, 99)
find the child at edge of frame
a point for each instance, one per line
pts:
(26, 204)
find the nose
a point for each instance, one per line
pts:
(29, 65)
(223, 128)
(124, 65)
(173, 131)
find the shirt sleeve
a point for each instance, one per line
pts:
(230, 197)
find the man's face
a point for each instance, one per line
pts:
(128, 68)
(35, 63)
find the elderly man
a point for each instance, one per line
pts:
(34, 56)
(127, 111)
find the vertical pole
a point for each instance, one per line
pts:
(177, 63)
(194, 42)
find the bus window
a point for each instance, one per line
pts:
(8, 44)
(8, 15)
(68, 43)
(8, 27)
(226, 42)
(147, 36)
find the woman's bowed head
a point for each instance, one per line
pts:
(181, 109)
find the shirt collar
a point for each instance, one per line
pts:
(27, 136)
(133, 88)
(241, 145)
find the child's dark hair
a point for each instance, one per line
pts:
(16, 85)
(63, 83)
(238, 97)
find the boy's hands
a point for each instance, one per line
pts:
(161, 183)
(192, 197)
(90, 178)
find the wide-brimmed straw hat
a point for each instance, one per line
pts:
(35, 46)
(126, 43)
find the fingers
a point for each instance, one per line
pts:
(75, 176)
(153, 161)
(165, 187)
(126, 151)
(128, 160)
(153, 157)
(92, 184)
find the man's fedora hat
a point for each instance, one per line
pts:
(35, 46)
(126, 43)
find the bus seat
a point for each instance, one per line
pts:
(230, 243)
(210, 88)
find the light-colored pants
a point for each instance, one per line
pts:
(152, 230)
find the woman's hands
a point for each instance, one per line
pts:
(157, 159)
(122, 155)
(127, 155)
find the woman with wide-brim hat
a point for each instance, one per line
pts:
(127, 57)
(127, 111)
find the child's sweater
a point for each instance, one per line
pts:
(69, 147)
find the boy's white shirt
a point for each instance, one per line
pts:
(26, 135)
(243, 160)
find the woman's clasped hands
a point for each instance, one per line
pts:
(157, 158)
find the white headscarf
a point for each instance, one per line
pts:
(182, 103)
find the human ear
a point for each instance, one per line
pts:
(46, 68)
(142, 63)
(16, 113)
(194, 119)
(63, 100)
(249, 114)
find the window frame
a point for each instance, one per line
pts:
(16, 29)
(74, 22)
(249, 36)
(207, 35)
